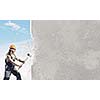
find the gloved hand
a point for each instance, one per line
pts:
(20, 66)
(23, 62)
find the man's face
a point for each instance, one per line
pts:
(13, 50)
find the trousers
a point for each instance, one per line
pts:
(10, 70)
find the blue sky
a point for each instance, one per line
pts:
(12, 31)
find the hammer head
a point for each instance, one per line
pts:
(29, 55)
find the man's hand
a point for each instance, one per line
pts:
(23, 62)
(19, 66)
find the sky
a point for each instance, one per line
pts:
(12, 31)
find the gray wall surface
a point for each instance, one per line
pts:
(66, 49)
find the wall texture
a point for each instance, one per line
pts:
(66, 49)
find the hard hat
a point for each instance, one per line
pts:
(12, 47)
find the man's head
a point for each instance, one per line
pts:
(12, 48)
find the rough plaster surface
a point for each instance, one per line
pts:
(66, 49)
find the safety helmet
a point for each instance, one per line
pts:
(12, 46)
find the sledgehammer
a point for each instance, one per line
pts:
(28, 55)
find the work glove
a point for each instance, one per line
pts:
(22, 62)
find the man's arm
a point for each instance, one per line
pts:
(11, 60)
(20, 60)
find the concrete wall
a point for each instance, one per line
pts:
(66, 49)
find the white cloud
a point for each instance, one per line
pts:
(17, 28)
(13, 25)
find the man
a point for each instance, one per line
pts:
(10, 64)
